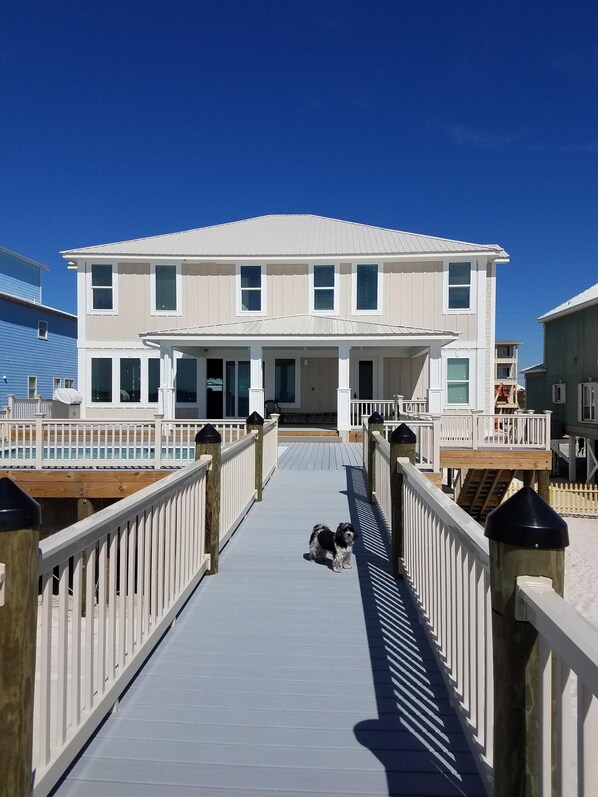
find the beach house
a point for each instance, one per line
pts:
(309, 312)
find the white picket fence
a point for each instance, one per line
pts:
(566, 498)
(446, 564)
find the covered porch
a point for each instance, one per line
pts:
(314, 369)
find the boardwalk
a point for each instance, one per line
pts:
(282, 677)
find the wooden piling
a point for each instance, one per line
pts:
(375, 424)
(209, 441)
(255, 422)
(402, 445)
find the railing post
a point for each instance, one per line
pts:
(11, 405)
(375, 424)
(20, 519)
(547, 414)
(436, 434)
(527, 538)
(476, 435)
(158, 417)
(209, 441)
(402, 445)
(39, 440)
(255, 422)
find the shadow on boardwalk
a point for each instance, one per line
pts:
(416, 733)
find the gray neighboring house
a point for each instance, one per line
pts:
(567, 381)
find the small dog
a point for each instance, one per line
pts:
(340, 544)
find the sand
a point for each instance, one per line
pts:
(581, 567)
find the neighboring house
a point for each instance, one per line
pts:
(38, 344)
(308, 311)
(567, 381)
(506, 377)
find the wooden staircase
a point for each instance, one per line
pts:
(483, 490)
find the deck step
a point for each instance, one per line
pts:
(483, 490)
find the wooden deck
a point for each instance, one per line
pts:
(283, 677)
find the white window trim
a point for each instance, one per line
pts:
(580, 400)
(69, 379)
(473, 287)
(559, 393)
(250, 313)
(470, 381)
(115, 371)
(354, 310)
(335, 302)
(39, 335)
(178, 287)
(114, 310)
(34, 377)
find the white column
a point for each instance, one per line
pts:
(434, 379)
(343, 392)
(256, 382)
(166, 389)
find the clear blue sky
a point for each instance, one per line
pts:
(469, 120)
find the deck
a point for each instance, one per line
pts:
(283, 677)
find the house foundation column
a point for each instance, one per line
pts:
(256, 380)
(166, 395)
(434, 379)
(572, 458)
(343, 392)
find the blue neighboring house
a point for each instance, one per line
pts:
(38, 344)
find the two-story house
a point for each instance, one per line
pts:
(308, 311)
(38, 344)
(567, 380)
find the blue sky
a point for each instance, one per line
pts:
(469, 120)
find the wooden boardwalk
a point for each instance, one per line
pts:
(283, 677)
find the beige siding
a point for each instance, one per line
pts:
(318, 384)
(288, 289)
(405, 376)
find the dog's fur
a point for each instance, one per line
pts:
(340, 544)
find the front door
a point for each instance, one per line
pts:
(236, 388)
(366, 380)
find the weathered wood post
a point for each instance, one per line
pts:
(375, 424)
(208, 441)
(544, 485)
(527, 538)
(402, 444)
(20, 519)
(255, 422)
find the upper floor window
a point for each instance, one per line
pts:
(102, 287)
(367, 287)
(323, 287)
(459, 286)
(457, 380)
(504, 351)
(250, 289)
(166, 289)
(559, 393)
(588, 395)
(32, 387)
(42, 330)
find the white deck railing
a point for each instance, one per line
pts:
(26, 408)
(237, 484)
(570, 644)
(110, 586)
(270, 456)
(480, 430)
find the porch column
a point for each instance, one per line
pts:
(343, 392)
(256, 381)
(434, 379)
(166, 389)
(572, 458)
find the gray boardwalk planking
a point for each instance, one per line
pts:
(283, 677)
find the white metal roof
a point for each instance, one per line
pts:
(584, 299)
(301, 326)
(278, 236)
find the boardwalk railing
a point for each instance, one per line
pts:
(47, 443)
(480, 430)
(446, 561)
(566, 498)
(393, 408)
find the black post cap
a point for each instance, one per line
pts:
(375, 417)
(208, 434)
(527, 521)
(17, 509)
(402, 434)
(255, 419)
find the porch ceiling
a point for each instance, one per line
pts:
(295, 329)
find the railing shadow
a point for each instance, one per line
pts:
(416, 736)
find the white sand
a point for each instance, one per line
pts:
(581, 566)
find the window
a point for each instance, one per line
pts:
(559, 393)
(166, 289)
(284, 381)
(503, 372)
(186, 380)
(588, 394)
(250, 289)
(101, 379)
(130, 379)
(42, 330)
(69, 383)
(101, 287)
(459, 286)
(153, 379)
(57, 383)
(366, 288)
(503, 352)
(457, 381)
(32, 387)
(323, 288)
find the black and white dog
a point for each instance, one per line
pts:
(339, 544)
